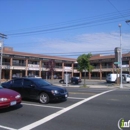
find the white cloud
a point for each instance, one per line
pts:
(83, 43)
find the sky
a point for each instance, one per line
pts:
(66, 28)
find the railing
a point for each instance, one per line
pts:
(58, 67)
(19, 64)
(107, 66)
(5, 63)
(96, 67)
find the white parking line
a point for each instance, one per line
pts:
(8, 128)
(42, 105)
(76, 98)
(50, 117)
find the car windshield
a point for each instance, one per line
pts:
(41, 82)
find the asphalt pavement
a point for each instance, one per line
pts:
(85, 109)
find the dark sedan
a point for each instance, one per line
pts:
(73, 80)
(9, 97)
(37, 88)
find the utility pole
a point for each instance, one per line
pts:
(121, 86)
(2, 36)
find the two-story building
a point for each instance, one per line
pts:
(22, 64)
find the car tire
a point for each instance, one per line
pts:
(43, 98)
(62, 82)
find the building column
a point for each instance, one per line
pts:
(40, 66)
(100, 71)
(26, 71)
(10, 73)
(62, 70)
(72, 69)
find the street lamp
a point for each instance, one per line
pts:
(121, 86)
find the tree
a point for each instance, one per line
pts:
(51, 66)
(84, 64)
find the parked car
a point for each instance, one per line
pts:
(113, 77)
(126, 78)
(37, 88)
(73, 80)
(9, 98)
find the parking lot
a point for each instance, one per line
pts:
(70, 114)
(30, 112)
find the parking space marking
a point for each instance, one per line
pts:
(42, 105)
(50, 117)
(76, 98)
(8, 128)
(81, 93)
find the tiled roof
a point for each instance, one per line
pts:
(94, 57)
(38, 55)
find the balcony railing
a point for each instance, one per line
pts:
(96, 67)
(58, 67)
(5, 63)
(107, 66)
(19, 64)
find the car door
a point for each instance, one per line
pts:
(30, 89)
(17, 85)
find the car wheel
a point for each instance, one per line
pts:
(44, 98)
(61, 81)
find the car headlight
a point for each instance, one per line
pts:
(18, 96)
(54, 92)
(3, 99)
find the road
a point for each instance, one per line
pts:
(85, 109)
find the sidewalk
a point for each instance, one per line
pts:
(94, 86)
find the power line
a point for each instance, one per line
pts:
(91, 22)
(116, 9)
(77, 20)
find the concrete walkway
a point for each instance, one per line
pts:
(95, 86)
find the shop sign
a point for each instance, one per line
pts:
(6, 67)
(31, 68)
(19, 57)
(6, 55)
(32, 65)
(76, 71)
(67, 68)
(34, 58)
(18, 68)
(57, 69)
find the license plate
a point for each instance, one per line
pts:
(12, 103)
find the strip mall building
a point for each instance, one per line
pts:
(24, 64)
